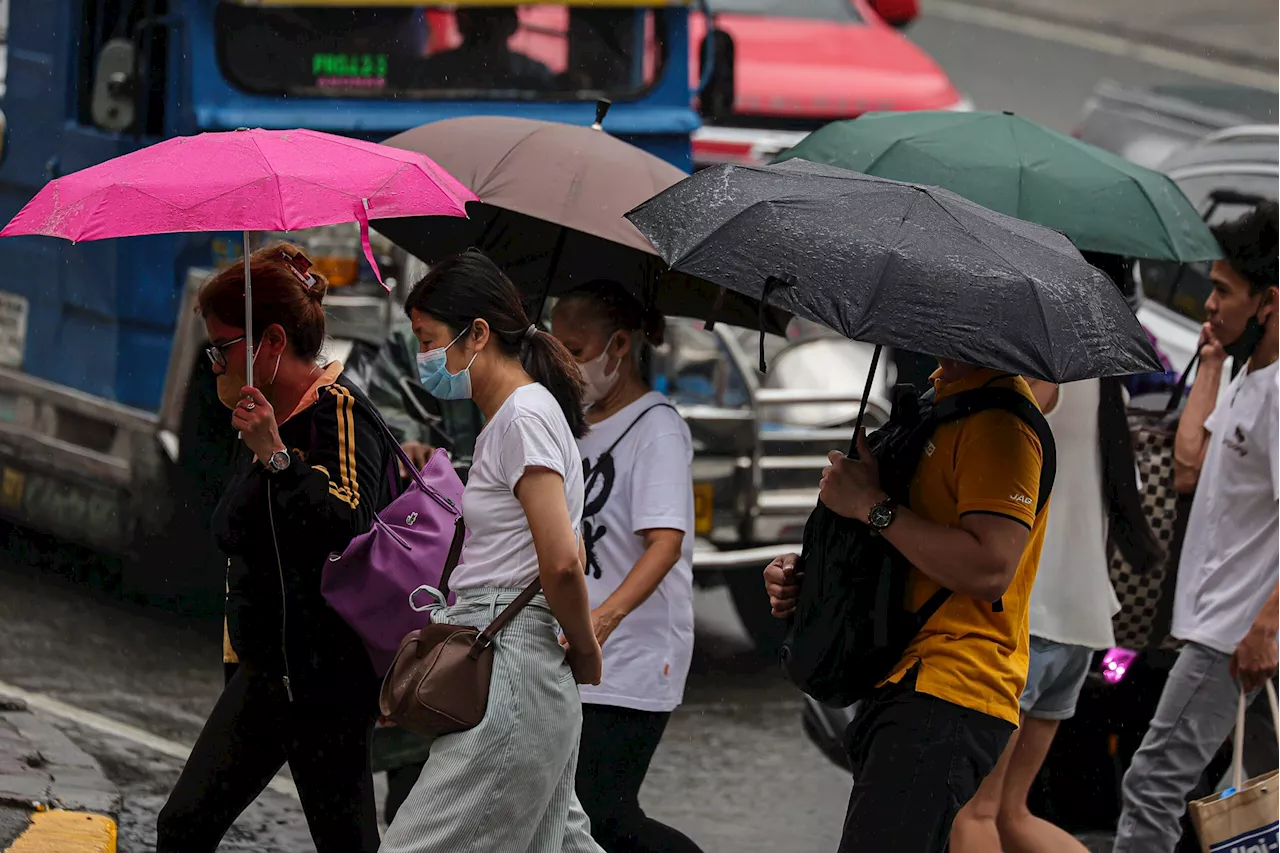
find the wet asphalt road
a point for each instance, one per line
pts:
(734, 771)
(1044, 80)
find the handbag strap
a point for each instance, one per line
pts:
(455, 554)
(397, 451)
(595, 472)
(1237, 757)
(1176, 396)
(485, 639)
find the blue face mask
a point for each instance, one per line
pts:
(437, 379)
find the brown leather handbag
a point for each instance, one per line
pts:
(438, 683)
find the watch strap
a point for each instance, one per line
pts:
(271, 461)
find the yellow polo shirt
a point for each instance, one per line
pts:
(989, 462)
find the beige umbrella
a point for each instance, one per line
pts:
(552, 198)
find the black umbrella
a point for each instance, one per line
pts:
(899, 265)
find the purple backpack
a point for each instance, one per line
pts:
(414, 540)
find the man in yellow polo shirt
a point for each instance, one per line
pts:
(922, 743)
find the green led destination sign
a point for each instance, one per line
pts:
(349, 68)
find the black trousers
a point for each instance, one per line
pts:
(617, 746)
(252, 732)
(916, 760)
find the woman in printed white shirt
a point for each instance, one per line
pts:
(1096, 500)
(506, 786)
(638, 529)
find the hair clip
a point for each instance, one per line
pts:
(299, 264)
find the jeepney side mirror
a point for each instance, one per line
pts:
(716, 98)
(896, 13)
(114, 105)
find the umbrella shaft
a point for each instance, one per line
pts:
(248, 316)
(862, 406)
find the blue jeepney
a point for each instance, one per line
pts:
(109, 432)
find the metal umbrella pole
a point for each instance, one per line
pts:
(248, 316)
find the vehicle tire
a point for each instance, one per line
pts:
(747, 590)
(828, 733)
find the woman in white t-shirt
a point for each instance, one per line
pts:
(638, 529)
(506, 786)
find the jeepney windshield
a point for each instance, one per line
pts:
(529, 51)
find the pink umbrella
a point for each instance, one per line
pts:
(249, 180)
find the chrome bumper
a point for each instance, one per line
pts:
(709, 559)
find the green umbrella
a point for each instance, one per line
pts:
(1101, 202)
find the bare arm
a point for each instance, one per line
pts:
(1046, 394)
(1255, 659)
(560, 555)
(661, 553)
(978, 559)
(1192, 440)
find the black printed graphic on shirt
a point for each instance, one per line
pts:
(598, 487)
(1238, 443)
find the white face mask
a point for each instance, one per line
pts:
(599, 383)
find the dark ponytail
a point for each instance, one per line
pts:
(468, 287)
(1130, 531)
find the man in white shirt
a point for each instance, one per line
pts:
(1226, 603)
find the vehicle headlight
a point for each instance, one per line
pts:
(964, 105)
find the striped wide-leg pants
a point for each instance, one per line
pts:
(507, 785)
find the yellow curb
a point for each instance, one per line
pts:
(67, 832)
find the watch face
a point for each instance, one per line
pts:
(280, 460)
(880, 517)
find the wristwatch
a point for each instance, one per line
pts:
(882, 514)
(278, 461)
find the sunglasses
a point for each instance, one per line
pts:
(216, 353)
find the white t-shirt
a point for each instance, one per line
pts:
(645, 483)
(528, 430)
(1072, 600)
(1229, 558)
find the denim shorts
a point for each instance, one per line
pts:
(1055, 676)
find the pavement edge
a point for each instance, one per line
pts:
(67, 832)
(71, 806)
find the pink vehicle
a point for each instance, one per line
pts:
(800, 64)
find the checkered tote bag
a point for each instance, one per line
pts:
(1146, 598)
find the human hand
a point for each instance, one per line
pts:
(1211, 349)
(851, 487)
(418, 453)
(587, 663)
(256, 422)
(604, 620)
(1255, 659)
(782, 584)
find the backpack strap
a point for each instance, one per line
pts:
(609, 450)
(595, 472)
(966, 403)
